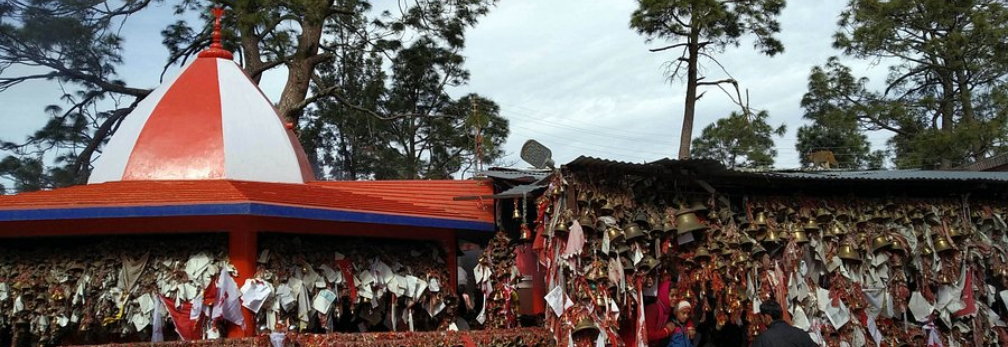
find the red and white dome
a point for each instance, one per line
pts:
(208, 122)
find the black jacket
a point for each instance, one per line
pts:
(780, 334)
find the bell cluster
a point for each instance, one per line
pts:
(330, 284)
(846, 269)
(97, 290)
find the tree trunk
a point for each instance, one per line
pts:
(947, 113)
(691, 92)
(299, 71)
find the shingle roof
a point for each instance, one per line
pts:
(432, 199)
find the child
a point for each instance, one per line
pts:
(681, 329)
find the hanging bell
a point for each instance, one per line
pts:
(641, 219)
(955, 234)
(694, 208)
(702, 255)
(926, 251)
(758, 250)
(585, 328)
(761, 219)
(941, 245)
(800, 237)
(688, 222)
(668, 227)
(811, 226)
(863, 220)
(823, 215)
(586, 223)
(525, 235)
(517, 214)
(772, 237)
(600, 301)
(607, 209)
(847, 252)
(632, 232)
(879, 243)
(562, 229)
(656, 225)
(582, 199)
(615, 234)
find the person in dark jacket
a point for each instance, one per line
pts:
(779, 333)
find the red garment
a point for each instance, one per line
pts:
(656, 315)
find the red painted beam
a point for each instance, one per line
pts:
(242, 251)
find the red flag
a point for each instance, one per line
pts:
(187, 328)
(346, 267)
(967, 297)
(210, 293)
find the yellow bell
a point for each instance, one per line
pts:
(941, 245)
(761, 219)
(517, 213)
(926, 251)
(582, 199)
(615, 235)
(880, 242)
(800, 237)
(693, 208)
(561, 229)
(757, 250)
(847, 252)
(688, 222)
(772, 237)
(525, 235)
(955, 234)
(811, 225)
(585, 328)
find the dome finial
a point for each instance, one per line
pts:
(216, 49)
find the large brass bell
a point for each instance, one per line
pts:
(823, 215)
(800, 237)
(761, 219)
(941, 245)
(772, 237)
(695, 207)
(880, 242)
(688, 222)
(632, 232)
(582, 199)
(847, 252)
(607, 209)
(585, 328)
(587, 224)
(615, 235)
(702, 255)
(811, 225)
(561, 228)
(647, 264)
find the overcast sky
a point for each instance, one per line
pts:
(569, 73)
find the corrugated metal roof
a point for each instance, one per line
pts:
(894, 175)
(520, 175)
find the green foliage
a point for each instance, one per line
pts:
(739, 141)
(943, 97)
(835, 114)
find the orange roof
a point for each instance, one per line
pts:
(432, 199)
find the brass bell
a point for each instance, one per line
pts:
(587, 224)
(847, 252)
(746, 241)
(714, 247)
(632, 232)
(955, 234)
(668, 227)
(758, 250)
(525, 235)
(941, 245)
(863, 221)
(800, 237)
(702, 255)
(917, 217)
(645, 264)
(582, 199)
(772, 237)
(656, 224)
(926, 251)
(897, 247)
(623, 249)
(823, 216)
(517, 214)
(694, 208)
(561, 229)
(615, 235)
(879, 243)
(607, 209)
(811, 225)
(586, 328)
(761, 219)
(688, 222)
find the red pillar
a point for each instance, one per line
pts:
(451, 246)
(242, 249)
